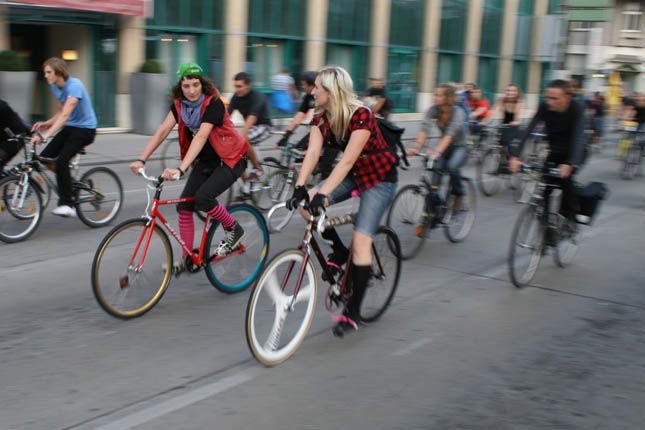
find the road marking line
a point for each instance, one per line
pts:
(412, 347)
(179, 402)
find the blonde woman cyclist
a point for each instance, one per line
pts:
(367, 165)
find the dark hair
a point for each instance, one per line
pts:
(309, 77)
(59, 66)
(243, 76)
(561, 84)
(208, 87)
(450, 93)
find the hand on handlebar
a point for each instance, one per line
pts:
(136, 167)
(299, 194)
(171, 174)
(412, 151)
(317, 205)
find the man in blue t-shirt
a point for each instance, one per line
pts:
(74, 125)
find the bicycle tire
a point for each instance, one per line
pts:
(408, 220)
(386, 267)
(488, 176)
(567, 243)
(115, 283)
(466, 215)
(165, 151)
(20, 210)
(527, 214)
(277, 188)
(237, 272)
(268, 351)
(98, 200)
(632, 159)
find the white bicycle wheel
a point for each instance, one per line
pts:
(276, 321)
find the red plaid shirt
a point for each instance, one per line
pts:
(375, 161)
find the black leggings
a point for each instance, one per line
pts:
(67, 143)
(208, 180)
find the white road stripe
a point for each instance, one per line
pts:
(412, 347)
(179, 402)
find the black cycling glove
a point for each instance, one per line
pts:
(299, 194)
(285, 138)
(317, 205)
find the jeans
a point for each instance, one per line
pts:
(373, 203)
(452, 161)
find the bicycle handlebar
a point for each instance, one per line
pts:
(142, 172)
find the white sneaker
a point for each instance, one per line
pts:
(65, 211)
(583, 219)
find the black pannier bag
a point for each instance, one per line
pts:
(589, 198)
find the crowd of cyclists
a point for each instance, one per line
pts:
(344, 138)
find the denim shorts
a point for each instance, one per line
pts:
(373, 203)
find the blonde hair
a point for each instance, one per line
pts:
(342, 100)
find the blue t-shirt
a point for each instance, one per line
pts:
(83, 115)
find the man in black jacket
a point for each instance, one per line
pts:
(9, 119)
(564, 123)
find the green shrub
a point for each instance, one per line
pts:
(10, 61)
(151, 66)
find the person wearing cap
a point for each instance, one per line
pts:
(307, 106)
(200, 113)
(72, 128)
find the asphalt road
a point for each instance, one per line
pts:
(460, 347)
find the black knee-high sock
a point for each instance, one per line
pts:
(360, 278)
(340, 250)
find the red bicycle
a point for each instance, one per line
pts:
(133, 264)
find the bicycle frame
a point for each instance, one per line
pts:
(154, 214)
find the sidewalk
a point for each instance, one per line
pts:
(116, 148)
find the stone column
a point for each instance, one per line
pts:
(431, 35)
(132, 53)
(379, 38)
(535, 66)
(505, 70)
(316, 34)
(236, 26)
(5, 40)
(473, 40)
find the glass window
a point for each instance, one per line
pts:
(492, 22)
(487, 77)
(632, 21)
(206, 14)
(349, 20)
(279, 17)
(406, 22)
(453, 25)
(352, 58)
(402, 79)
(520, 74)
(449, 68)
(526, 7)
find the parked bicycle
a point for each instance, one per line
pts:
(27, 189)
(288, 289)
(133, 264)
(417, 209)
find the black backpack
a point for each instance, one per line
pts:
(392, 134)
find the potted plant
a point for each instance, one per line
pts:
(17, 83)
(149, 89)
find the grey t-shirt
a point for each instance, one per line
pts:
(455, 128)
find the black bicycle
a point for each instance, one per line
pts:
(97, 194)
(538, 228)
(417, 209)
